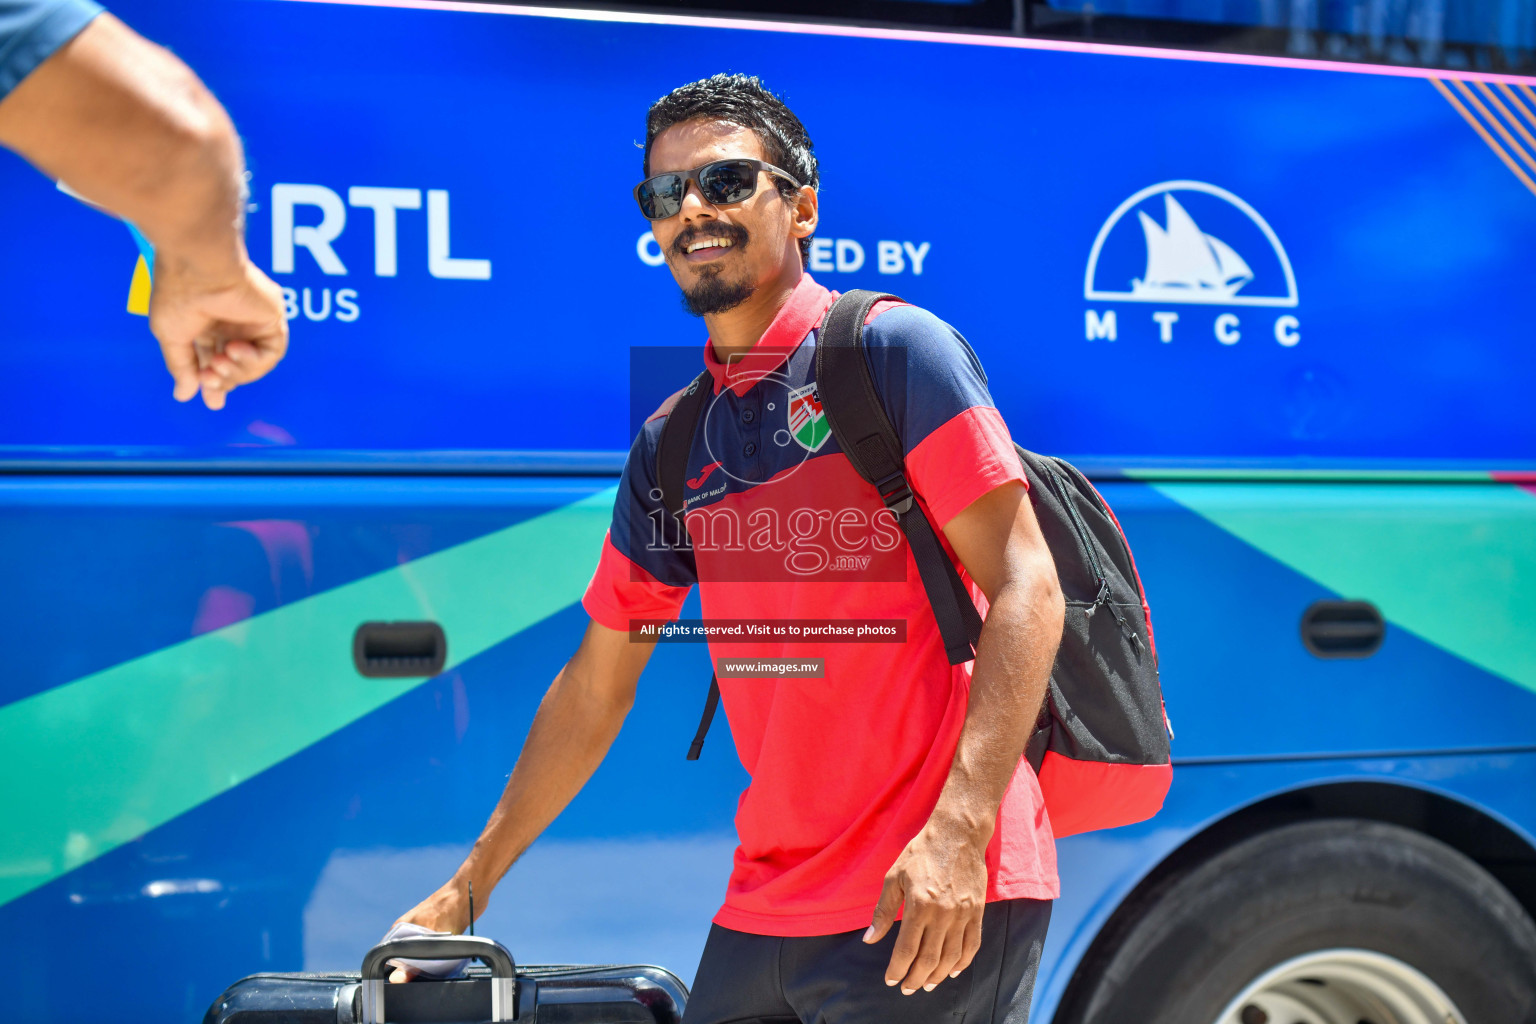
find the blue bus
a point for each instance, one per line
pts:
(1326, 468)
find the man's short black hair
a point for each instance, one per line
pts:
(741, 100)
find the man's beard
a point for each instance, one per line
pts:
(712, 293)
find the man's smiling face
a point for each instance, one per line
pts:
(721, 255)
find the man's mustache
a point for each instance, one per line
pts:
(731, 232)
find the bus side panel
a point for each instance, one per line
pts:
(1230, 567)
(1379, 243)
(197, 783)
(302, 860)
(201, 806)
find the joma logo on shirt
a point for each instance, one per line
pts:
(698, 481)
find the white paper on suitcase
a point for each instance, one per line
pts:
(430, 968)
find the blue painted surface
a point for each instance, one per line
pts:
(310, 861)
(1238, 681)
(1406, 234)
(1407, 240)
(104, 569)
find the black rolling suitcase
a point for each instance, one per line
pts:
(498, 991)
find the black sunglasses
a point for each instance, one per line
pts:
(720, 182)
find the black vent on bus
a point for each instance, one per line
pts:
(397, 650)
(1343, 629)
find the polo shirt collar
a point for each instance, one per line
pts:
(804, 310)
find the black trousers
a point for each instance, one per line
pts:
(837, 979)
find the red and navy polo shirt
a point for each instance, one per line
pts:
(845, 769)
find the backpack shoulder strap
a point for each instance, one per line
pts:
(850, 401)
(672, 450)
(677, 441)
(863, 430)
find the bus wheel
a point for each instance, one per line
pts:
(1326, 922)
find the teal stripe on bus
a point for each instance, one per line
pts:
(1453, 563)
(97, 762)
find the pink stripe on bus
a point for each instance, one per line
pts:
(929, 36)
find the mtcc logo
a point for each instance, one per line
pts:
(1189, 244)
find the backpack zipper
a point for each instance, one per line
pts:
(1081, 529)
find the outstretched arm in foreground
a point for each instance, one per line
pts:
(128, 126)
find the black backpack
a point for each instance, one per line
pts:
(1100, 748)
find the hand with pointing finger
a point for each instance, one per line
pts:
(215, 332)
(941, 880)
(123, 125)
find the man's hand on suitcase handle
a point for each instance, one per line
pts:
(446, 910)
(941, 877)
(575, 724)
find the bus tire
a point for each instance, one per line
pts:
(1193, 943)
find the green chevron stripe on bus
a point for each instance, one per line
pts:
(1453, 563)
(97, 762)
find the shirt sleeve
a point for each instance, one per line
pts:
(957, 446)
(644, 572)
(31, 30)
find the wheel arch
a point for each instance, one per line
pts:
(1496, 845)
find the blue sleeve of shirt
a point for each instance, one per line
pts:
(643, 530)
(31, 30)
(926, 373)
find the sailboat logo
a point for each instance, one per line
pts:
(1185, 263)
(1182, 260)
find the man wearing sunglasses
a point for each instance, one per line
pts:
(896, 862)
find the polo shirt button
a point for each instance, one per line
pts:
(750, 449)
(747, 416)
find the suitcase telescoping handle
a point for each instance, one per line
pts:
(441, 947)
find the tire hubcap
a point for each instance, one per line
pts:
(1342, 986)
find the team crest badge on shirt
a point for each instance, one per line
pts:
(807, 422)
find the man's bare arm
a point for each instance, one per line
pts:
(942, 874)
(126, 124)
(571, 733)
